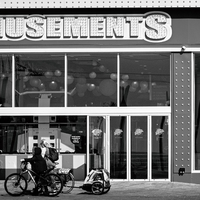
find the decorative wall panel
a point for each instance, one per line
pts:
(181, 112)
(97, 3)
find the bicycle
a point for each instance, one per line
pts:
(49, 184)
(67, 179)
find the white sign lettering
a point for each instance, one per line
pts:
(151, 27)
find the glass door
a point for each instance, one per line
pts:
(97, 142)
(159, 147)
(118, 147)
(149, 147)
(130, 147)
(139, 147)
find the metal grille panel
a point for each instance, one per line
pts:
(182, 112)
(97, 3)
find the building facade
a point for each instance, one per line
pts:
(111, 85)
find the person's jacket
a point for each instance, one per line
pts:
(38, 163)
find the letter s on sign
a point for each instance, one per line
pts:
(158, 27)
(35, 27)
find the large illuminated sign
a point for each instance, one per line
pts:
(151, 27)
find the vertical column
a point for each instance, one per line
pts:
(181, 116)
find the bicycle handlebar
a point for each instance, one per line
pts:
(24, 165)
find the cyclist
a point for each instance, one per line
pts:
(38, 165)
(45, 153)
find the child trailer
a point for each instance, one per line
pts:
(97, 181)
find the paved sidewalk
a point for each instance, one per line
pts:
(128, 190)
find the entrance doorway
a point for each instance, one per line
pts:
(131, 147)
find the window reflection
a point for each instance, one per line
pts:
(118, 152)
(160, 147)
(39, 80)
(139, 156)
(144, 79)
(97, 131)
(20, 133)
(92, 80)
(5, 81)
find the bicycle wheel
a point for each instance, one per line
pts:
(15, 184)
(52, 185)
(68, 182)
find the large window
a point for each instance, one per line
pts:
(92, 80)
(5, 81)
(144, 79)
(20, 134)
(39, 80)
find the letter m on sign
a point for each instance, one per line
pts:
(75, 27)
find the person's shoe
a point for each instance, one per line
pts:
(45, 193)
(35, 192)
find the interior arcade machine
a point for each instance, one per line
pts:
(62, 141)
(59, 140)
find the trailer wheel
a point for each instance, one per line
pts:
(106, 190)
(97, 188)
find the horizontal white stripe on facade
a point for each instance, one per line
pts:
(97, 3)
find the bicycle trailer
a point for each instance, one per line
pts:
(97, 181)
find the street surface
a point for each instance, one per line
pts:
(125, 191)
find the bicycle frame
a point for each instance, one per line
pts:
(31, 173)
